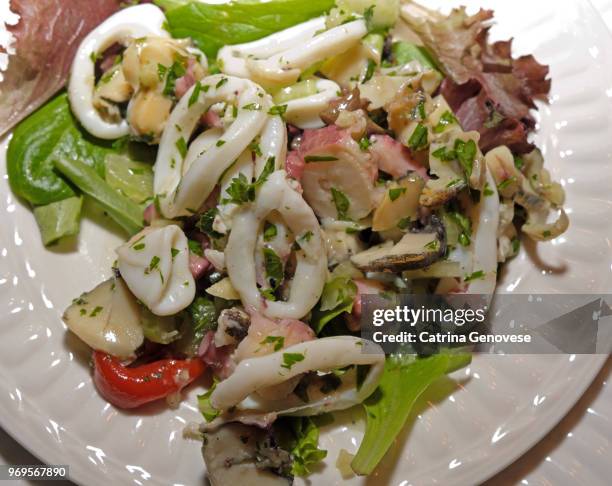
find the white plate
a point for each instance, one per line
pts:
(503, 404)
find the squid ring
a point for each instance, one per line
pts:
(184, 184)
(233, 58)
(132, 22)
(307, 286)
(304, 112)
(323, 354)
(267, 62)
(155, 266)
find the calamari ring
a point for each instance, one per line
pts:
(305, 112)
(323, 354)
(309, 279)
(182, 187)
(155, 266)
(267, 62)
(130, 23)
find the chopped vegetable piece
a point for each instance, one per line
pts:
(125, 212)
(58, 219)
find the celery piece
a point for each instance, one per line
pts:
(124, 211)
(58, 219)
(131, 178)
(298, 90)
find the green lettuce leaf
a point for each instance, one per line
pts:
(404, 379)
(305, 450)
(213, 26)
(337, 298)
(58, 219)
(46, 135)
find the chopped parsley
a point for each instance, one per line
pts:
(480, 274)
(289, 359)
(368, 16)
(546, 234)
(172, 74)
(96, 311)
(174, 252)
(519, 163)
(419, 113)
(195, 94)
(242, 191)
(270, 232)
(516, 245)
(446, 119)
(453, 183)
(365, 144)
(205, 225)
(466, 153)
(404, 223)
(341, 202)
(487, 191)
(255, 148)
(138, 247)
(444, 154)
(306, 237)
(220, 143)
(208, 411)
(278, 110)
(277, 341)
(465, 226)
(195, 247)
(274, 267)
(181, 146)
(396, 193)
(268, 294)
(433, 245)
(418, 140)
(221, 82)
(369, 72)
(320, 158)
(507, 183)
(252, 107)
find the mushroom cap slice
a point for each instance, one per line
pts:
(414, 251)
(231, 453)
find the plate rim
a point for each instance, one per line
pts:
(590, 367)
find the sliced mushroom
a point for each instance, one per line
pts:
(233, 326)
(240, 454)
(414, 251)
(107, 319)
(401, 202)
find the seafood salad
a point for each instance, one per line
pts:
(269, 164)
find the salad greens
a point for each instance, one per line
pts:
(43, 137)
(404, 52)
(124, 211)
(337, 298)
(404, 379)
(214, 26)
(51, 160)
(304, 445)
(58, 219)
